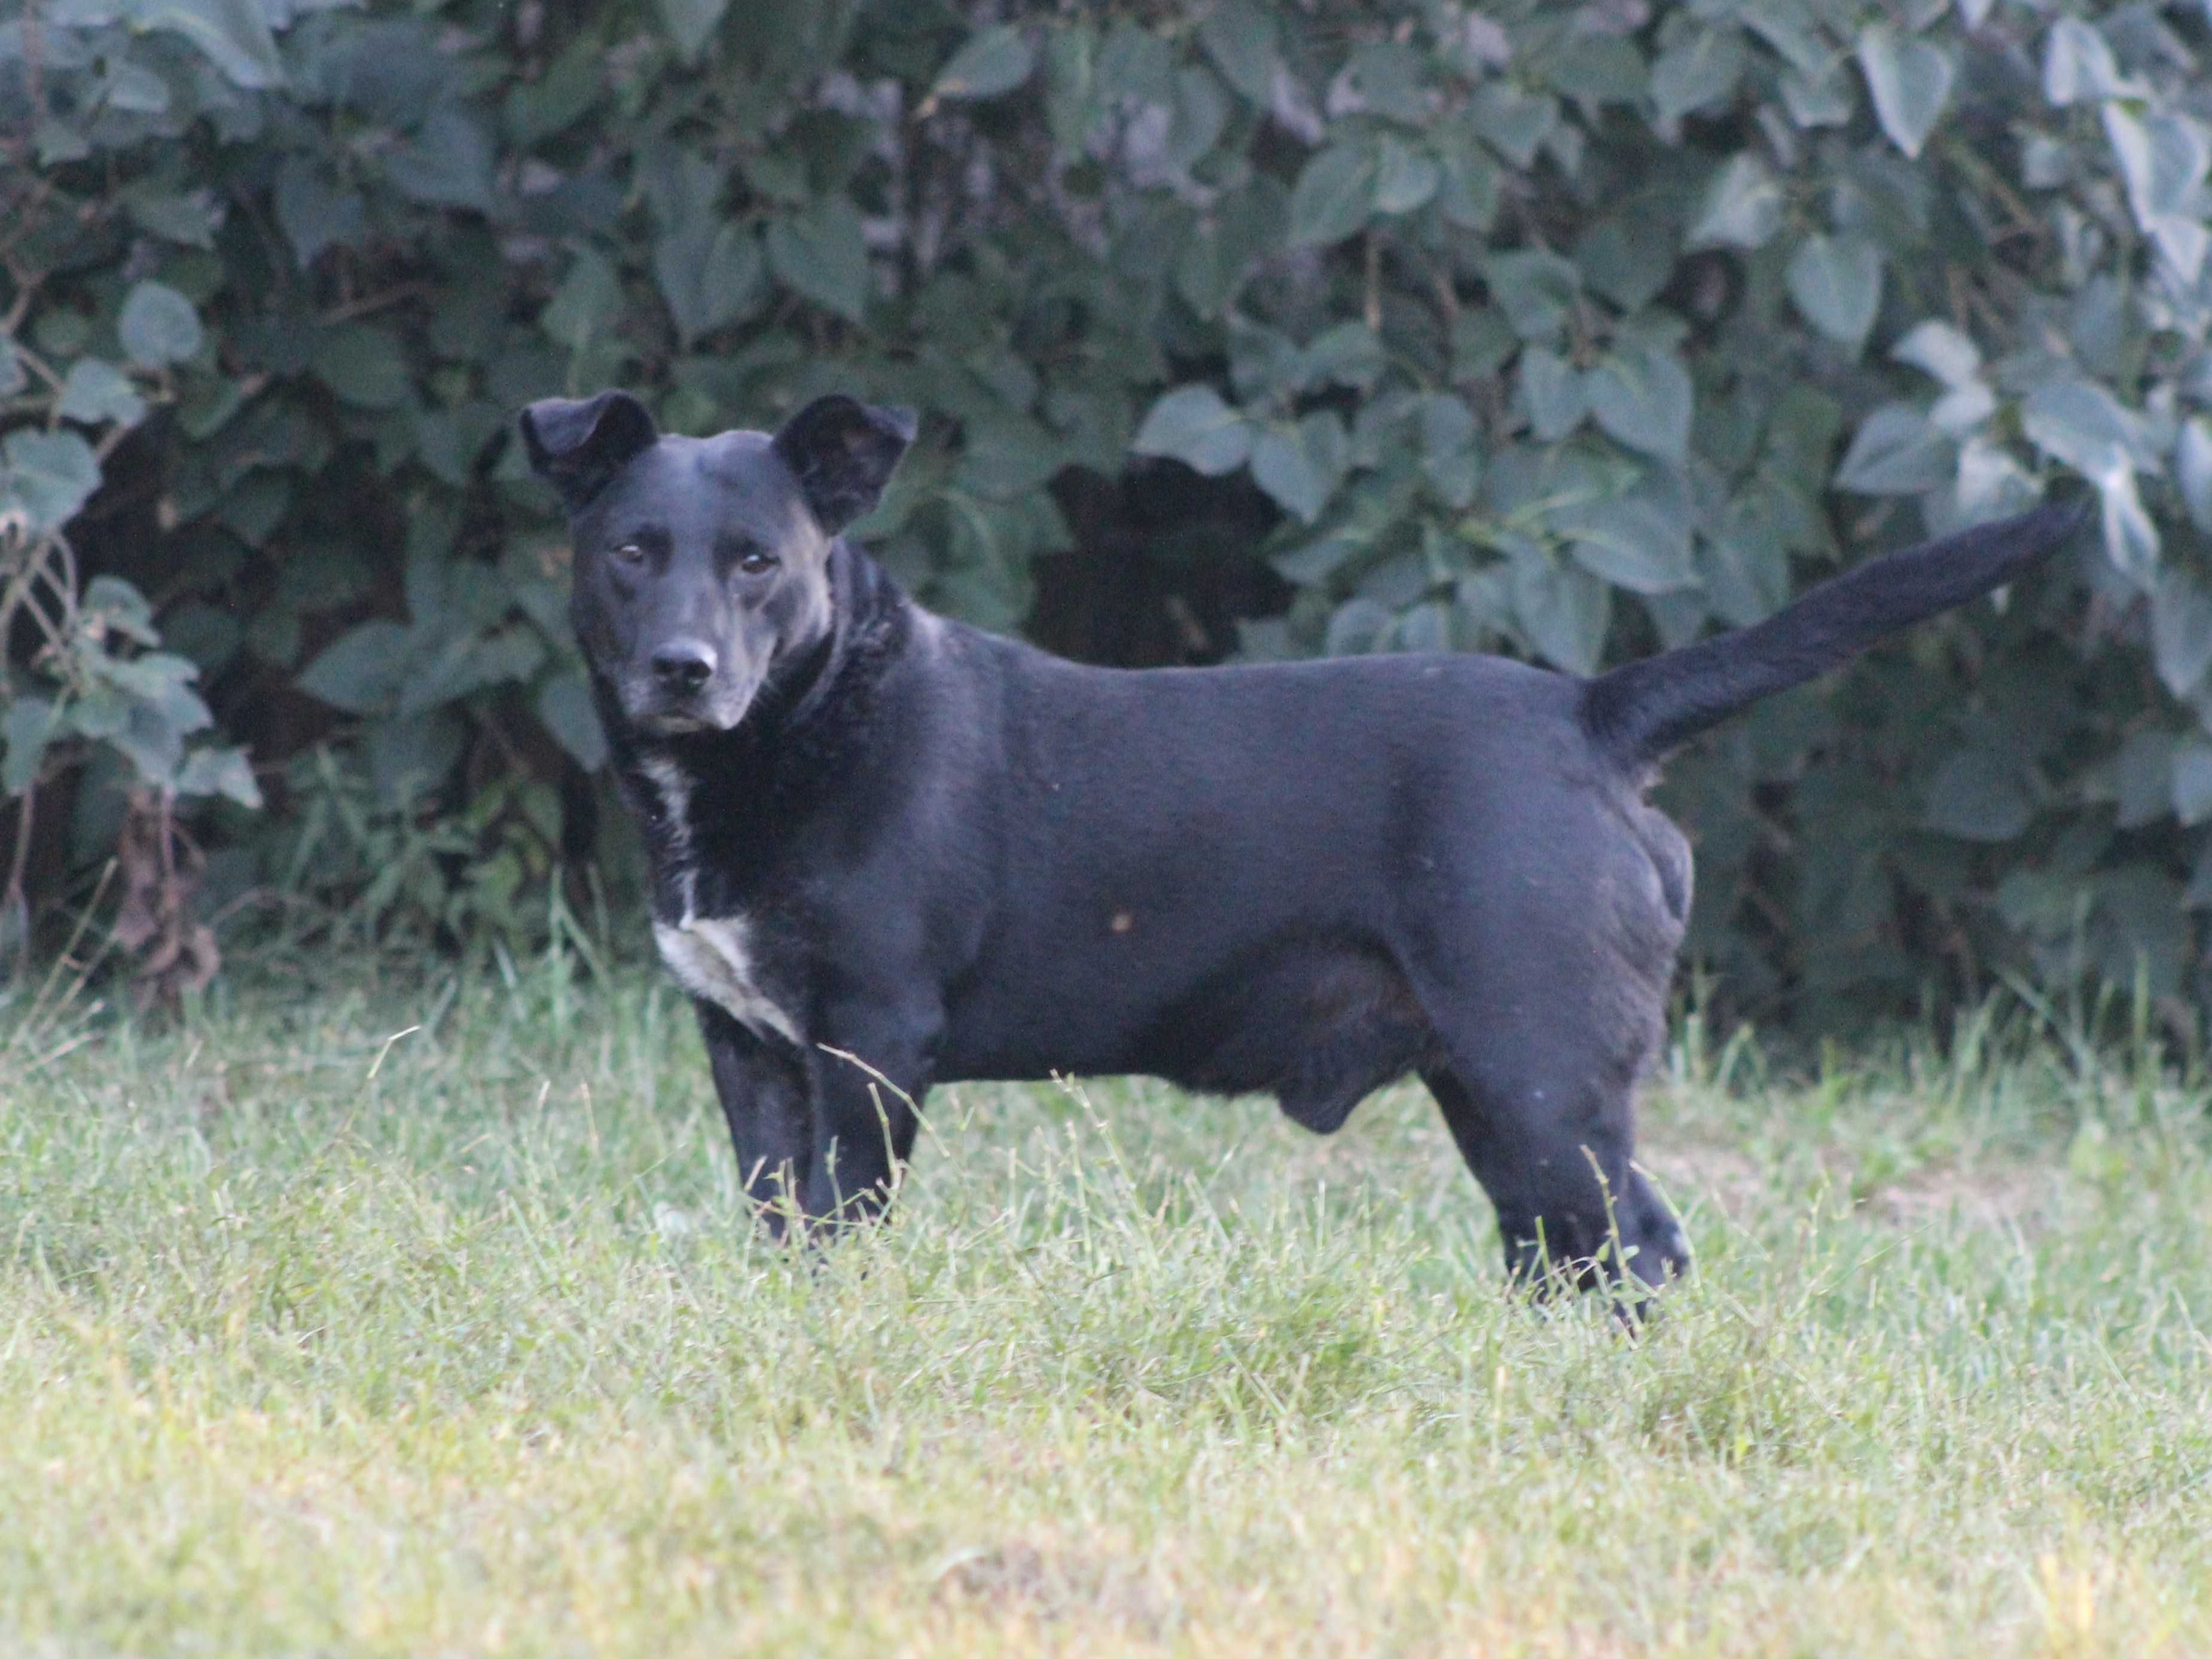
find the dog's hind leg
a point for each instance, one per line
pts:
(1545, 984)
(1540, 1057)
(1570, 1203)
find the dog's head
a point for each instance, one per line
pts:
(702, 562)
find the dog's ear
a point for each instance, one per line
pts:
(578, 445)
(842, 452)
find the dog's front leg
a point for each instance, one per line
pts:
(871, 1071)
(765, 1087)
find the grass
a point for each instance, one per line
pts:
(318, 1338)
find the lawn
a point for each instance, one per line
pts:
(317, 1336)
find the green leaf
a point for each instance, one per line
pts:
(447, 162)
(233, 33)
(1553, 389)
(1239, 36)
(2143, 776)
(2181, 630)
(2078, 65)
(1896, 451)
(1348, 354)
(1137, 66)
(1515, 122)
(1334, 193)
(1741, 208)
(467, 662)
(1563, 610)
(1789, 28)
(586, 305)
(822, 255)
(2138, 928)
(1451, 449)
(1627, 257)
(314, 213)
(1825, 99)
(159, 685)
(97, 391)
(1745, 567)
(362, 670)
(1468, 195)
(57, 143)
(1536, 290)
(407, 758)
(2131, 541)
(135, 89)
(565, 706)
(1639, 540)
(1072, 105)
(2163, 156)
(220, 772)
(120, 607)
(1300, 465)
(1979, 795)
(26, 727)
(1198, 118)
(994, 60)
(1911, 81)
(1311, 563)
(1836, 283)
(710, 274)
(1244, 227)
(1597, 69)
(2085, 426)
(1937, 348)
(1192, 425)
(1642, 397)
(1405, 177)
(1358, 626)
(364, 366)
(186, 219)
(2192, 781)
(46, 476)
(158, 325)
(1700, 67)
(1008, 456)
(2192, 470)
(691, 24)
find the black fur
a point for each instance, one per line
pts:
(880, 833)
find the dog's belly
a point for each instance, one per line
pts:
(1318, 1024)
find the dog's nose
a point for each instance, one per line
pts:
(684, 664)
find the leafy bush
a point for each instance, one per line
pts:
(1566, 330)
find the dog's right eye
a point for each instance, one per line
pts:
(629, 553)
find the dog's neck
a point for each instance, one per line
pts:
(743, 792)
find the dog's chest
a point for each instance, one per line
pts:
(712, 957)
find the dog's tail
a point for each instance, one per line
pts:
(1639, 711)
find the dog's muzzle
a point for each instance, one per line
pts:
(685, 687)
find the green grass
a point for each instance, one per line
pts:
(317, 1339)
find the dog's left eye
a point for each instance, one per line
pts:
(629, 553)
(756, 559)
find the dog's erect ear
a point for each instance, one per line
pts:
(843, 451)
(579, 446)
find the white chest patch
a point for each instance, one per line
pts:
(710, 958)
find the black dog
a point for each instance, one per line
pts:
(878, 833)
